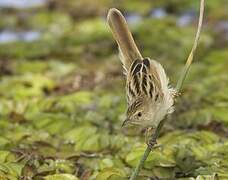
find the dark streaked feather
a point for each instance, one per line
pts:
(156, 97)
(131, 92)
(142, 80)
(144, 84)
(146, 62)
(151, 88)
(134, 106)
(137, 68)
(136, 83)
(144, 69)
(134, 65)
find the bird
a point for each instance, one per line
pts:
(149, 95)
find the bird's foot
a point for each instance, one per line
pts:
(150, 142)
(176, 94)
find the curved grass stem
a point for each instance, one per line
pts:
(178, 88)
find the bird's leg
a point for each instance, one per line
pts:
(150, 140)
(148, 135)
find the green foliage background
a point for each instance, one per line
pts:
(62, 96)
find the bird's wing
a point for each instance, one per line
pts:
(148, 78)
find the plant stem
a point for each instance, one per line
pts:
(179, 85)
(148, 150)
(142, 160)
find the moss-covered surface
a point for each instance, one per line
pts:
(62, 97)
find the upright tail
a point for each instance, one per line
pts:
(123, 37)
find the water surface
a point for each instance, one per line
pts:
(21, 3)
(8, 36)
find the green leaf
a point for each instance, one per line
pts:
(156, 158)
(12, 169)
(3, 141)
(61, 177)
(6, 156)
(111, 174)
(208, 177)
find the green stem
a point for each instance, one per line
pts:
(142, 160)
(147, 151)
(182, 78)
(179, 85)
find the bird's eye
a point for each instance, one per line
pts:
(139, 114)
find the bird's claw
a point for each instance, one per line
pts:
(151, 143)
(176, 94)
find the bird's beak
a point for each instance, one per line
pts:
(125, 122)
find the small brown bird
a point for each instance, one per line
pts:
(149, 96)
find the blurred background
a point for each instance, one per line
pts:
(62, 96)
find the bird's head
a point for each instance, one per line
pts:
(139, 113)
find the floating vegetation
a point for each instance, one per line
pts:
(62, 100)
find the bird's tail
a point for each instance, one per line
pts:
(127, 47)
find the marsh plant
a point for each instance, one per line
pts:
(150, 98)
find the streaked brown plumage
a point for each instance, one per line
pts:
(149, 96)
